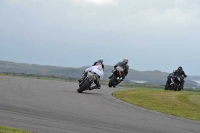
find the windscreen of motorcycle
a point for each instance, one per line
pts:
(119, 69)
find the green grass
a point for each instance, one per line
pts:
(4, 129)
(182, 104)
(2, 74)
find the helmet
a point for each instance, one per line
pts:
(125, 60)
(100, 60)
(180, 68)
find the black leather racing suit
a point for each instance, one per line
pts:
(180, 74)
(124, 66)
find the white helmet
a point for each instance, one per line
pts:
(125, 60)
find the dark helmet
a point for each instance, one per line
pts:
(180, 68)
(100, 60)
(125, 60)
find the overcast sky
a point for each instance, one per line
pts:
(152, 34)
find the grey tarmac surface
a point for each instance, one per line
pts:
(46, 106)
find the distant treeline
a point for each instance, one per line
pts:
(152, 77)
(37, 76)
(70, 79)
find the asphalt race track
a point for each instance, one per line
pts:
(46, 106)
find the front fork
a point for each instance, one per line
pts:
(81, 83)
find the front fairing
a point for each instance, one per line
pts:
(116, 73)
(91, 76)
(168, 80)
(177, 80)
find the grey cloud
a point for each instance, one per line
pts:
(151, 33)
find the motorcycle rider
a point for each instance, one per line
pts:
(100, 61)
(181, 74)
(99, 71)
(124, 65)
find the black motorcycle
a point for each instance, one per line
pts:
(117, 77)
(170, 83)
(87, 82)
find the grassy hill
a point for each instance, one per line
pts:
(153, 77)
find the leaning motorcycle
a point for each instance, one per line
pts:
(87, 82)
(177, 84)
(117, 77)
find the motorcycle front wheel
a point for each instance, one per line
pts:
(166, 87)
(84, 86)
(111, 82)
(175, 87)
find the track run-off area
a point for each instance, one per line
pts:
(47, 106)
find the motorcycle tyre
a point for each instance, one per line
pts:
(175, 87)
(179, 88)
(166, 87)
(111, 82)
(85, 85)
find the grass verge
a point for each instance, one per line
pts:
(4, 129)
(182, 104)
